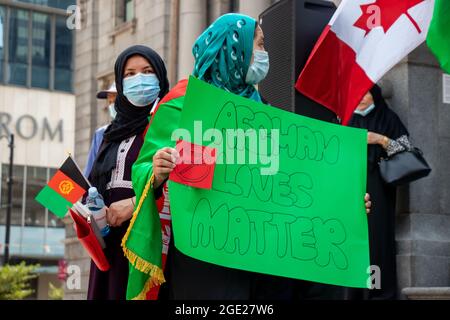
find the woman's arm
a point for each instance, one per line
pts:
(120, 211)
(378, 139)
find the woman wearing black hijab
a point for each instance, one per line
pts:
(387, 136)
(141, 80)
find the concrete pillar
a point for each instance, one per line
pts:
(193, 20)
(217, 8)
(254, 8)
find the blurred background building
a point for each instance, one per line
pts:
(47, 75)
(37, 105)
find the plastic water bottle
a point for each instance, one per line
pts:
(96, 205)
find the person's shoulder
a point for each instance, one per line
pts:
(172, 100)
(392, 114)
(102, 129)
(182, 84)
(395, 122)
(175, 97)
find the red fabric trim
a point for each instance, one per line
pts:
(178, 91)
(333, 78)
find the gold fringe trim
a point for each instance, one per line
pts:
(145, 267)
(156, 274)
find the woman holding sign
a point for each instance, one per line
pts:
(230, 55)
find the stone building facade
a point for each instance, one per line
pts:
(423, 213)
(171, 27)
(37, 107)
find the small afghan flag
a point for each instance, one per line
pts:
(66, 187)
(438, 39)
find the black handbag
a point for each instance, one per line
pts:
(404, 167)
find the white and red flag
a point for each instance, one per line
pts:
(363, 41)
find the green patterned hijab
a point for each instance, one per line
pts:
(223, 53)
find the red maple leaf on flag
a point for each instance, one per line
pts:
(384, 13)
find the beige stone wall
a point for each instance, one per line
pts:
(75, 255)
(254, 8)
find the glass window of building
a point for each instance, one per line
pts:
(28, 182)
(18, 47)
(40, 51)
(34, 230)
(60, 4)
(35, 214)
(64, 56)
(17, 195)
(124, 11)
(36, 45)
(3, 192)
(129, 10)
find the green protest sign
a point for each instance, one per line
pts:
(290, 205)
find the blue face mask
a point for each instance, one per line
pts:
(366, 111)
(259, 69)
(142, 89)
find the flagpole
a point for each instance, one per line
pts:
(9, 206)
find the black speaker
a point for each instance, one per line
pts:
(291, 29)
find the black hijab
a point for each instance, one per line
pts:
(382, 120)
(130, 120)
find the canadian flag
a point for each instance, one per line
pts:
(363, 41)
